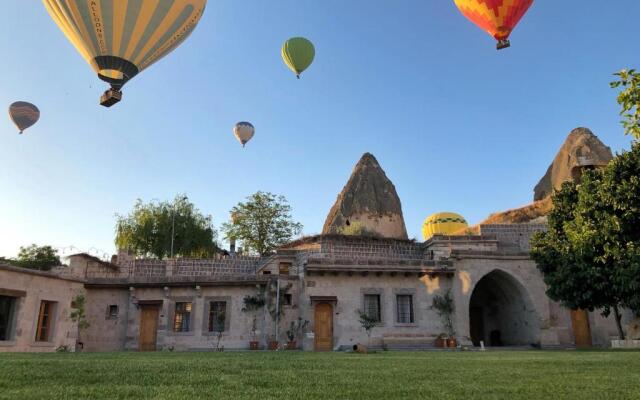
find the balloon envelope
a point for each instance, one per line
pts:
(243, 131)
(443, 223)
(497, 17)
(120, 38)
(298, 53)
(23, 114)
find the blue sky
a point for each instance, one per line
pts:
(456, 125)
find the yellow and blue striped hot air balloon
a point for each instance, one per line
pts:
(442, 223)
(120, 38)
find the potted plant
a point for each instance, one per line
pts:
(368, 323)
(441, 340)
(294, 331)
(78, 316)
(273, 343)
(446, 308)
(251, 305)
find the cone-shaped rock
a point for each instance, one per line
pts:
(368, 204)
(582, 150)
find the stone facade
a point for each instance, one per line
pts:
(498, 293)
(23, 292)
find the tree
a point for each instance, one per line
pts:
(155, 228)
(590, 256)
(367, 322)
(37, 257)
(262, 223)
(629, 100)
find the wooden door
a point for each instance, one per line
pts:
(323, 327)
(581, 328)
(148, 327)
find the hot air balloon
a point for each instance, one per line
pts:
(23, 114)
(298, 53)
(443, 223)
(244, 131)
(120, 38)
(497, 17)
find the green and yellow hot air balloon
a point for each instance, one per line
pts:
(443, 223)
(120, 38)
(298, 53)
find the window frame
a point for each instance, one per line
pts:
(170, 329)
(413, 310)
(186, 316)
(206, 311)
(367, 310)
(285, 267)
(51, 307)
(109, 314)
(380, 293)
(12, 318)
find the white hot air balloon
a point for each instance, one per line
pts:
(243, 131)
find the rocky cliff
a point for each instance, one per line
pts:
(581, 150)
(368, 204)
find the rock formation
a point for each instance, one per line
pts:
(581, 150)
(368, 204)
(535, 212)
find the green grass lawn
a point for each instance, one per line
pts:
(295, 375)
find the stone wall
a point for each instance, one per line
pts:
(106, 332)
(516, 236)
(236, 336)
(349, 292)
(30, 288)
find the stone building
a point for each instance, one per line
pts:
(327, 280)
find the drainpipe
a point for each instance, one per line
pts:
(277, 306)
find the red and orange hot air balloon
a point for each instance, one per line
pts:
(497, 17)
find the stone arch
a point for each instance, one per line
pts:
(501, 312)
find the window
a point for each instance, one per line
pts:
(182, 317)
(266, 272)
(404, 303)
(288, 300)
(283, 268)
(44, 328)
(112, 312)
(7, 310)
(217, 316)
(372, 306)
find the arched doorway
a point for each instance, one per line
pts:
(501, 312)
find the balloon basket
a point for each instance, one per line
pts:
(110, 97)
(503, 44)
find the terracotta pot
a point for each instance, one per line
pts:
(292, 345)
(452, 342)
(273, 345)
(253, 345)
(441, 342)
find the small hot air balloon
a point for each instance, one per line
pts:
(443, 223)
(243, 131)
(23, 114)
(497, 17)
(120, 38)
(298, 53)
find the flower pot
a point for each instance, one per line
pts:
(253, 345)
(441, 342)
(273, 345)
(292, 345)
(452, 342)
